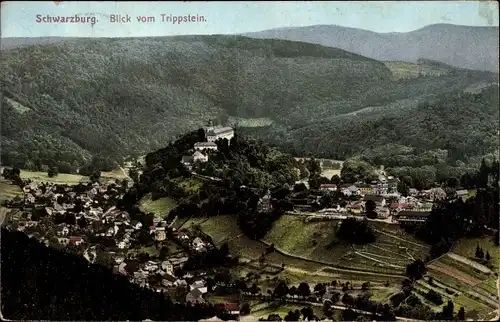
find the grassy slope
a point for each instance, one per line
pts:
(8, 191)
(316, 241)
(159, 207)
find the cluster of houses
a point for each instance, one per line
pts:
(43, 210)
(389, 203)
(202, 150)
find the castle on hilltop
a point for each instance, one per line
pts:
(214, 133)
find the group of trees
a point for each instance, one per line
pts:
(481, 255)
(449, 221)
(355, 231)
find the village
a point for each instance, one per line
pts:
(84, 218)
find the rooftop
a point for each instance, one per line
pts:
(409, 213)
(220, 130)
(200, 144)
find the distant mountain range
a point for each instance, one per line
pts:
(461, 46)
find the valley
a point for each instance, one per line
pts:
(302, 173)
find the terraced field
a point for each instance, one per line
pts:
(316, 241)
(473, 283)
(224, 229)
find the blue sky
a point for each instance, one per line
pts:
(18, 19)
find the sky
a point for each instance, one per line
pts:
(30, 19)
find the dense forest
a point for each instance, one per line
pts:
(66, 102)
(42, 283)
(453, 131)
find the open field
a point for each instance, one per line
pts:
(160, 207)
(61, 178)
(329, 173)
(65, 178)
(251, 122)
(191, 184)
(404, 70)
(467, 248)
(263, 310)
(9, 191)
(115, 174)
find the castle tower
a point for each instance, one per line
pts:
(210, 127)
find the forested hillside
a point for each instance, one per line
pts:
(64, 102)
(455, 127)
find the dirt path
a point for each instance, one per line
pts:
(401, 239)
(484, 298)
(467, 261)
(455, 273)
(378, 261)
(125, 173)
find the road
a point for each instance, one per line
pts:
(335, 306)
(336, 216)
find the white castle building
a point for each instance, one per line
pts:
(214, 133)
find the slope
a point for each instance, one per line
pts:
(114, 96)
(462, 46)
(69, 100)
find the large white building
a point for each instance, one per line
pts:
(214, 134)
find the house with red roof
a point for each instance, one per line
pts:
(76, 240)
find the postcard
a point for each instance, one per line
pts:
(249, 160)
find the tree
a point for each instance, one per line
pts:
(82, 222)
(53, 171)
(281, 290)
(453, 182)
(307, 313)
(304, 290)
(479, 252)
(327, 309)
(313, 166)
(415, 270)
(134, 175)
(292, 291)
(403, 188)
(320, 290)
(461, 314)
(335, 179)
(95, 176)
(254, 289)
(164, 251)
(488, 257)
(245, 309)
(447, 313)
(349, 315)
